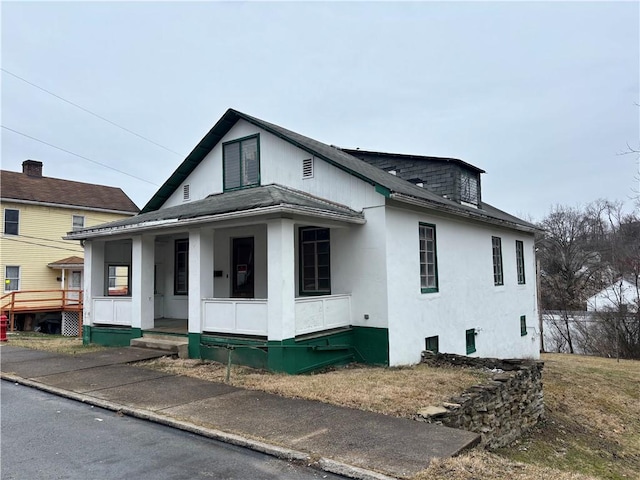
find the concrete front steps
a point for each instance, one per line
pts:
(172, 344)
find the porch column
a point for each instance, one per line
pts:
(93, 277)
(200, 274)
(281, 289)
(142, 262)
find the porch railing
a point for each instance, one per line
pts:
(112, 311)
(32, 301)
(314, 314)
(231, 315)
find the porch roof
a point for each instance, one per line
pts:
(69, 262)
(268, 199)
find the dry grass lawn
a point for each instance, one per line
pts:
(51, 343)
(592, 429)
(393, 391)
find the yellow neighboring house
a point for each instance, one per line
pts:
(42, 274)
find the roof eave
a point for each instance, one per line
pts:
(284, 209)
(459, 212)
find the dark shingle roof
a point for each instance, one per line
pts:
(20, 186)
(403, 156)
(237, 201)
(384, 182)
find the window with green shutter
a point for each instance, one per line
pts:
(523, 325)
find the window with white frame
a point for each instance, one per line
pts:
(78, 222)
(520, 261)
(315, 261)
(11, 221)
(11, 278)
(241, 163)
(428, 258)
(496, 244)
(119, 281)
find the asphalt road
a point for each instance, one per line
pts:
(48, 437)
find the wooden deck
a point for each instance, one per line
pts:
(37, 301)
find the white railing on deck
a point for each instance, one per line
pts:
(232, 315)
(314, 314)
(112, 311)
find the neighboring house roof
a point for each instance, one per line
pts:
(55, 191)
(222, 206)
(385, 183)
(69, 262)
(404, 156)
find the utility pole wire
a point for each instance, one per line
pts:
(79, 156)
(90, 112)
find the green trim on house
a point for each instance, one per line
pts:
(243, 351)
(195, 339)
(109, 336)
(383, 190)
(371, 345)
(296, 355)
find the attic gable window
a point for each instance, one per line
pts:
(307, 168)
(241, 163)
(469, 187)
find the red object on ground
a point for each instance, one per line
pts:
(3, 328)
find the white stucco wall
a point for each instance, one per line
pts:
(281, 163)
(467, 297)
(358, 267)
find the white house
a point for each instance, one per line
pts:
(298, 255)
(624, 291)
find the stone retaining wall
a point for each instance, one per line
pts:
(502, 409)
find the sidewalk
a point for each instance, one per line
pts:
(340, 440)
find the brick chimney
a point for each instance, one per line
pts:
(33, 168)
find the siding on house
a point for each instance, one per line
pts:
(39, 242)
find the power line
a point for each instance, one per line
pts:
(90, 112)
(63, 242)
(40, 244)
(79, 156)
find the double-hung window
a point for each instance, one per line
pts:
(315, 261)
(78, 222)
(11, 278)
(520, 261)
(11, 221)
(428, 258)
(241, 163)
(496, 243)
(181, 267)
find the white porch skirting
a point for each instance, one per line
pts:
(314, 314)
(112, 311)
(243, 316)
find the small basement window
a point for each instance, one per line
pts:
(471, 340)
(431, 344)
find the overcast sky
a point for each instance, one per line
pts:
(543, 96)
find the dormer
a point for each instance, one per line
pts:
(448, 177)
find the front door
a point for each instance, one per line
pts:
(242, 268)
(75, 285)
